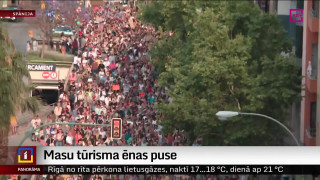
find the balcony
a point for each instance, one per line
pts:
(311, 131)
(312, 70)
(313, 20)
(310, 136)
(311, 80)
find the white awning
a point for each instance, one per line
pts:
(48, 87)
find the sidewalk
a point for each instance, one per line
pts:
(24, 123)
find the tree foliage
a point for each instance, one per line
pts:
(224, 56)
(13, 90)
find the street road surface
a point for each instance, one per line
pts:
(19, 34)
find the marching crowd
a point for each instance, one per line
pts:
(112, 77)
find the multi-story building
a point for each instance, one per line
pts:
(305, 118)
(294, 32)
(310, 113)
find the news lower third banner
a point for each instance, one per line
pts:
(162, 160)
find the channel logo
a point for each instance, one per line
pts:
(25, 155)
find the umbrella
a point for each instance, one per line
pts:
(95, 8)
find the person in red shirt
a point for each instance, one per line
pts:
(72, 78)
(78, 136)
(75, 46)
(170, 139)
(80, 33)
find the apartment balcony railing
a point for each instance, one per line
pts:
(314, 13)
(312, 70)
(313, 20)
(311, 131)
(311, 80)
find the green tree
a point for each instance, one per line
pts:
(224, 56)
(13, 89)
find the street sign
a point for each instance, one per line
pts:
(45, 74)
(53, 75)
(116, 128)
(41, 67)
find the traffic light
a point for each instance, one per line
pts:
(116, 128)
(30, 33)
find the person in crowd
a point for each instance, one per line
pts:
(14, 124)
(63, 43)
(51, 43)
(58, 110)
(36, 132)
(60, 86)
(75, 46)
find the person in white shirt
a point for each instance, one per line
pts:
(58, 110)
(77, 61)
(84, 62)
(120, 96)
(106, 63)
(33, 122)
(80, 96)
(103, 110)
(84, 55)
(38, 120)
(69, 138)
(141, 86)
(102, 133)
(101, 73)
(97, 109)
(103, 92)
(107, 101)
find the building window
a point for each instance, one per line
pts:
(312, 69)
(313, 119)
(314, 56)
(264, 5)
(315, 7)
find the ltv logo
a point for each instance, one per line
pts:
(25, 155)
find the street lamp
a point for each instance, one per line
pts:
(225, 115)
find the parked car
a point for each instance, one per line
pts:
(14, 19)
(66, 30)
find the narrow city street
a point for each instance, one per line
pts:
(19, 33)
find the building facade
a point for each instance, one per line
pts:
(296, 119)
(309, 109)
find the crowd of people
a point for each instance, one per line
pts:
(112, 77)
(66, 44)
